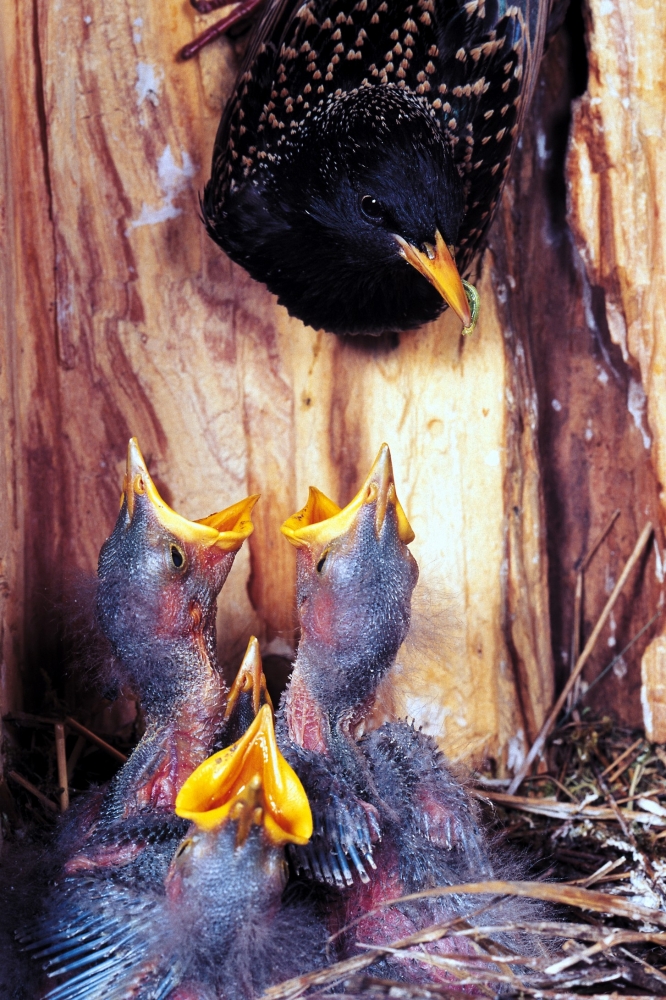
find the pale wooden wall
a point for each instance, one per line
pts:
(120, 317)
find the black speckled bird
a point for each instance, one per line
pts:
(359, 162)
(217, 927)
(158, 580)
(355, 581)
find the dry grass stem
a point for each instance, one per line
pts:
(77, 727)
(29, 787)
(540, 742)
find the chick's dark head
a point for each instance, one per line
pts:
(158, 580)
(361, 189)
(245, 804)
(355, 581)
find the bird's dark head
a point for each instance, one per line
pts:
(353, 222)
(159, 576)
(355, 581)
(245, 804)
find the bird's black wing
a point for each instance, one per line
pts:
(344, 827)
(489, 54)
(134, 851)
(247, 102)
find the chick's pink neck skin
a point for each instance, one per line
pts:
(178, 744)
(179, 749)
(308, 725)
(158, 767)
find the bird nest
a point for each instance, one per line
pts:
(593, 832)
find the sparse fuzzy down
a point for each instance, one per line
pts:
(215, 927)
(160, 620)
(159, 617)
(155, 604)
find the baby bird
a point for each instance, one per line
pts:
(354, 587)
(390, 819)
(355, 577)
(359, 162)
(218, 927)
(159, 578)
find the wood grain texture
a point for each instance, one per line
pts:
(653, 689)
(10, 507)
(591, 452)
(154, 333)
(617, 183)
(121, 317)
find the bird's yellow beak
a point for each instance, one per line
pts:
(321, 520)
(437, 265)
(226, 530)
(252, 783)
(249, 679)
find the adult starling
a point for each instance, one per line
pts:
(217, 927)
(358, 163)
(158, 580)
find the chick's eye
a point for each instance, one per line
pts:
(371, 208)
(185, 846)
(320, 564)
(177, 556)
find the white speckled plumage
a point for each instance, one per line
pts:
(470, 65)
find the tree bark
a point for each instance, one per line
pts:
(121, 317)
(617, 187)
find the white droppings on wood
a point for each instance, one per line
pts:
(148, 84)
(173, 179)
(637, 404)
(516, 751)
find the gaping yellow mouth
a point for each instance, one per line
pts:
(321, 520)
(249, 780)
(250, 678)
(226, 530)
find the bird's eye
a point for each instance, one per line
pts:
(177, 556)
(185, 846)
(371, 208)
(320, 564)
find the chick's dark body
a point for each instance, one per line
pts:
(167, 654)
(416, 105)
(216, 929)
(390, 817)
(354, 614)
(387, 796)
